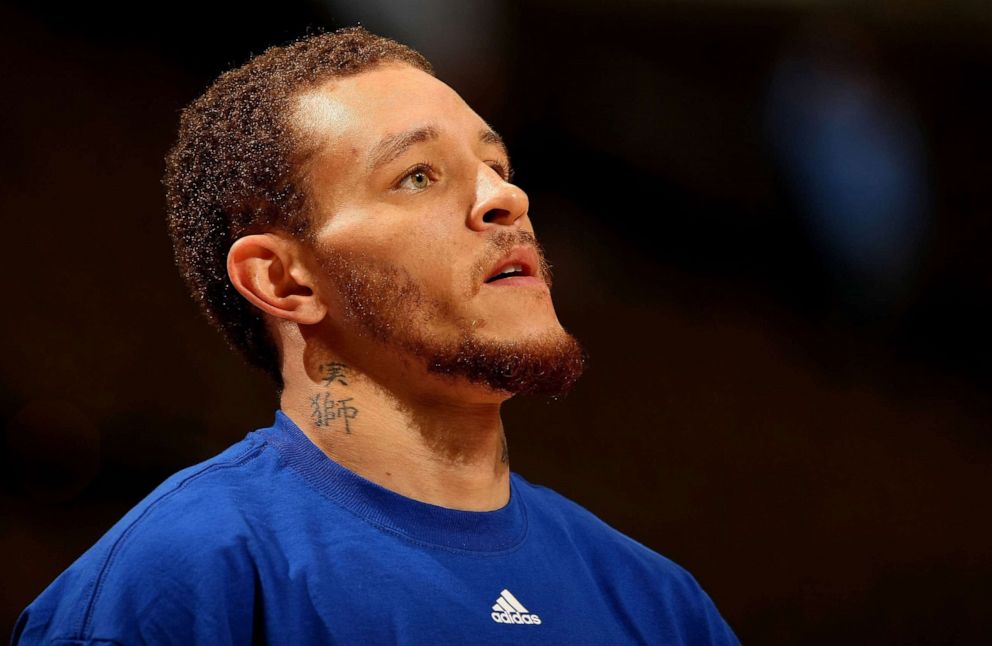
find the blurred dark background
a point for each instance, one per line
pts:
(770, 223)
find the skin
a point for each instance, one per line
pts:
(430, 437)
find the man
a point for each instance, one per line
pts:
(349, 224)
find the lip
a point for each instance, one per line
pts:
(526, 257)
(519, 281)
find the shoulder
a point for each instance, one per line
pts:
(197, 507)
(162, 566)
(652, 584)
(590, 533)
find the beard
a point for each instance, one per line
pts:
(390, 307)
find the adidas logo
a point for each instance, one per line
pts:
(507, 610)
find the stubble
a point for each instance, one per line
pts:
(390, 307)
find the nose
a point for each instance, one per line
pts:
(497, 202)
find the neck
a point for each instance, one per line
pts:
(447, 450)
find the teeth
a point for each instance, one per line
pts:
(508, 271)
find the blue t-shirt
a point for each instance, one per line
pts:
(272, 541)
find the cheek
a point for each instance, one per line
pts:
(430, 245)
(436, 264)
(436, 249)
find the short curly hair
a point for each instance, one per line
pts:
(235, 170)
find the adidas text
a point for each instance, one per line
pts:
(515, 618)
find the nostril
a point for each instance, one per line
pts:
(495, 214)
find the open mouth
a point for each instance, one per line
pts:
(508, 272)
(520, 267)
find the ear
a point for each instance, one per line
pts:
(267, 270)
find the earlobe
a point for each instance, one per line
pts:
(266, 270)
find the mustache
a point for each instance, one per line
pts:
(500, 243)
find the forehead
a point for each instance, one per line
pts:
(356, 112)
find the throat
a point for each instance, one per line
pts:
(443, 453)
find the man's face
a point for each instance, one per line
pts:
(416, 225)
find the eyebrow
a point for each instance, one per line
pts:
(490, 136)
(392, 146)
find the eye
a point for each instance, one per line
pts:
(417, 178)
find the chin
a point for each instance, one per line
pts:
(513, 326)
(544, 362)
